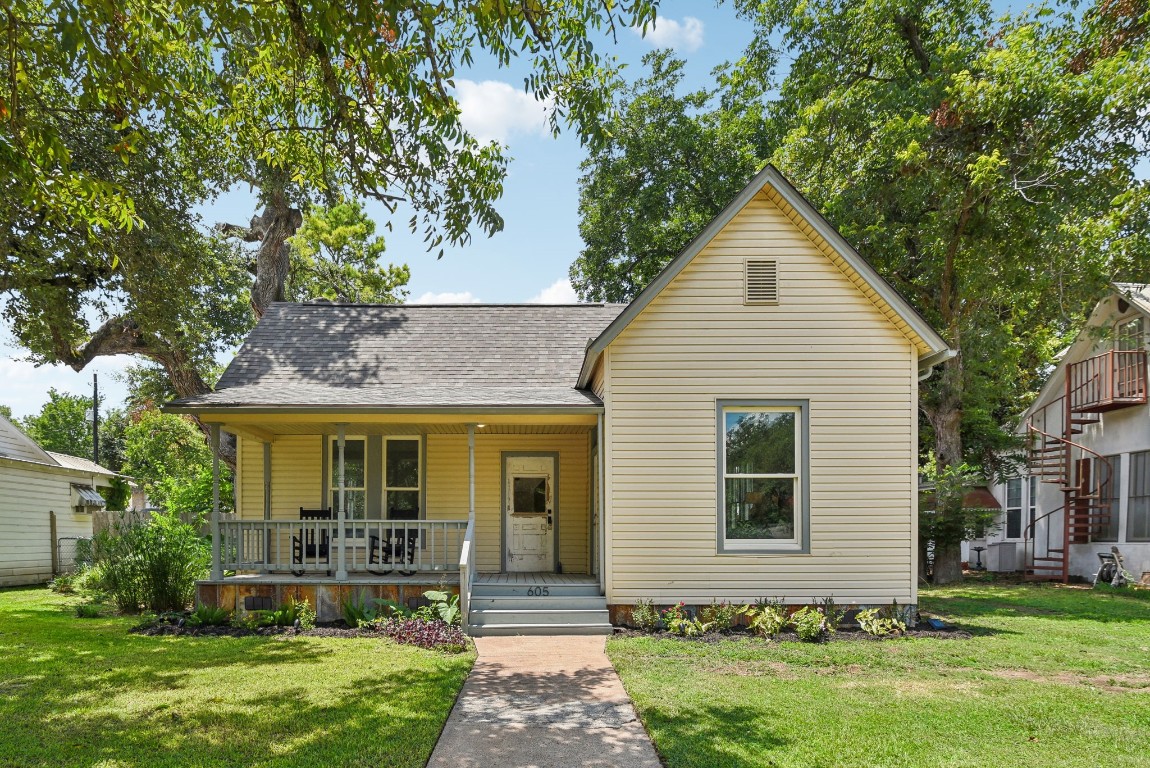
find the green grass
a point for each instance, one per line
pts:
(1052, 677)
(85, 692)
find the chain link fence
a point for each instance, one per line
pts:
(71, 552)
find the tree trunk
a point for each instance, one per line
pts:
(946, 420)
(947, 562)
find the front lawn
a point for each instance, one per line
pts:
(85, 692)
(1052, 677)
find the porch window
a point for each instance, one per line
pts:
(763, 477)
(1138, 504)
(1014, 508)
(401, 477)
(354, 476)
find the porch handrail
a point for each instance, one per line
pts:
(466, 573)
(267, 545)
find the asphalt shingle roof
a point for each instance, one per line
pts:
(357, 355)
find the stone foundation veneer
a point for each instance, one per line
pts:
(326, 598)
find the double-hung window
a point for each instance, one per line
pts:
(401, 478)
(763, 482)
(1138, 502)
(354, 477)
(1014, 508)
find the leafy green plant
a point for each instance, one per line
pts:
(810, 624)
(359, 609)
(391, 609)
(766, 618)
(442, 606)
(874, 622)
(720, 616)
(645, 616)
(208, 616)
(290, 612)
(64, 584)
(832, 613)
(251, 620)
(89, 611)
(679, 621)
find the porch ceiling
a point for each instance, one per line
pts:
(269, 431)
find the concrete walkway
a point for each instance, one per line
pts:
(536, 702)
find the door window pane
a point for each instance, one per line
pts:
(354, 477)
(402, 464)
(530, 495)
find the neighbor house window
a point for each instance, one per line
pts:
(354, 476)
(1032, 506)
(1109, 493)
(1014, 508)
(401, 478)
(762, 477)
(1138, 504)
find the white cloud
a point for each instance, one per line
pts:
(494, 111)
(26, 386)
(559, 292)
(447, 297)
(664, 32)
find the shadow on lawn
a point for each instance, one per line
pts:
(713, 735)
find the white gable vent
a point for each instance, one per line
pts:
(761, 281)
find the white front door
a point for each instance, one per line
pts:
(529, 512)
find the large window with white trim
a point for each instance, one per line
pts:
(1014, 508)
(354, 476)
(763, 476)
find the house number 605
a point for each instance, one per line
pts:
(538, 591)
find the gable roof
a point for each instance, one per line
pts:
(80, 464)
(1138, 294)
(933, 349)
(426, 357)
(14, 444)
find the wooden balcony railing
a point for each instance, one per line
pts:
(1114, 379)
(275, 545)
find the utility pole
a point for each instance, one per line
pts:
(95, 420)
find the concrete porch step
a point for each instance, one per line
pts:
(520, 602)
(505, 630)
(554, 618)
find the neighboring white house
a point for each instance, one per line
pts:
(44, 497)
(1087, 486)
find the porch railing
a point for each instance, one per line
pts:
(466, 574)
(1113, 379)
(299, 545)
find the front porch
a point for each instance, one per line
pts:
(390, 507)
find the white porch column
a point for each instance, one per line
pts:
(217, 563)
(341, 515)
(602, 492)
(471, 475)
(267, 505)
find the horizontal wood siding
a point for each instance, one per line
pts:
(696, 343)
(297, 481)
(26, 497)
(447, 483)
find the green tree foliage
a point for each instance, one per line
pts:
(167, 454)
(986, 166)
(62, 425)
(117, 118)
(6, 412)
(336, 256)
(670, 163)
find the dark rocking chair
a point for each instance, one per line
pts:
(305, 547)
(397, 546)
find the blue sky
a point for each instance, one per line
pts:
(528, 260)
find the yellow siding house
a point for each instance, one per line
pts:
(745, 428)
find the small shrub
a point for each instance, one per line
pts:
(832, 614)
(251, 620)
(720, 616)
(290, 612)
(433, 635)
(645, 616)
(442, 606)
(208, 616)
(810, 624)
(389, 609)
(89, 611)
(766, 618)
(64, 584)
(874, 622)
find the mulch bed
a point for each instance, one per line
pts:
(166, 629)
